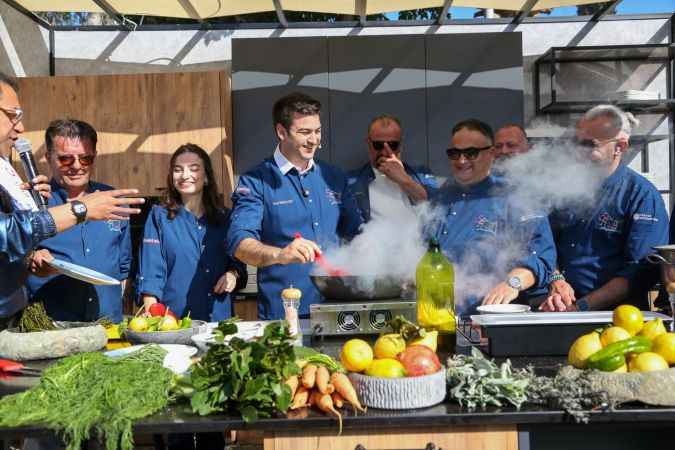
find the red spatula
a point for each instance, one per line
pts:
(325, 265)
(14, 367)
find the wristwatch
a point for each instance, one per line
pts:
(556, 277)
(515, 283)
(79, 210)
(582, 304)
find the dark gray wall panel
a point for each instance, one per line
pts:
(370, 76)
(429, 81)
(477, 75)
(263, 70)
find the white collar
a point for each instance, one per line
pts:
(285, 165)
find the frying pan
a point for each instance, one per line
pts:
(352, 288)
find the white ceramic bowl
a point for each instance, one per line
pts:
(505, 308)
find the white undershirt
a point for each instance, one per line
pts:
(386, 197)
(11, 182)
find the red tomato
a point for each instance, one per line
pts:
(419, 360)
(157, 309)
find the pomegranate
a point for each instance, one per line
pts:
(419, 360)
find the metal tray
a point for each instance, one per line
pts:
(541, 334)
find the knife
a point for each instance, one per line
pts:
(13, 367)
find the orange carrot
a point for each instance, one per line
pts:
(338, 401)
(300, 399)
(344, 387)
(293, 383)
(309, 376)
(325, 403)
(322, 379)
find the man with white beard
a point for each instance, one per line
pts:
(602, 247)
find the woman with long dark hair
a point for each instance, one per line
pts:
(183, 261)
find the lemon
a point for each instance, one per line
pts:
(622, 369)
(613, 334)
(664, 345)
(647, 362)
(429, 316)
(138, 324)
(356, 355)
(389, 345)
(386, 368)
(430, 340)
(653, 328)
(582, 348)
(629, 318)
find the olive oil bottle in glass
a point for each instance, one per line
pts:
(435, 280)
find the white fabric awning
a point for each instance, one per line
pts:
(204, 9)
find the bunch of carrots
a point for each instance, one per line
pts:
(327, 391)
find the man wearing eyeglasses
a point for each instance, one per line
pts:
(386, 184)
(22, 226)
(103, 246)
(494, 242)
(602, 248)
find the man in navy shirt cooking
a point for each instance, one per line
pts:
(287, 195)
(103, 246)
(485, 232)
(602, 247)
(385, 183)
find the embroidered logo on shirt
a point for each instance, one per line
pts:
(644, 217)
(484, 224)
(151, 241)
(528, 217)
(335, 198)
(243, 190)
(282, 202)
(115, 225)
(608, 223)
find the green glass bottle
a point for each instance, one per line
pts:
(435, 280)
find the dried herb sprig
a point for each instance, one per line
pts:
(34, 318)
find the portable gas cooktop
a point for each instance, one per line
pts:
(335, 319)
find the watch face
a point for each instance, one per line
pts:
(79, 208)
(515, 283)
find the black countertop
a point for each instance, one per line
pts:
(445, 414)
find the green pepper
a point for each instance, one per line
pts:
(609, 364)
(186, 322)
(635, 344)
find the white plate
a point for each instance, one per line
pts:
(183, 350)
(82, 273)
(505, 308)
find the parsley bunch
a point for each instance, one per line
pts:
(245, 378)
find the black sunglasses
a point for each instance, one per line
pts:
(379, 145)
(469, 153)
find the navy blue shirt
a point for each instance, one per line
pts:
(272, 207)
(181, 261)
(482, 224)
(103, 246)
(20, 233)
(612, 237)
(359, 181)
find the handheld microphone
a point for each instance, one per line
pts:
(23, 148)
